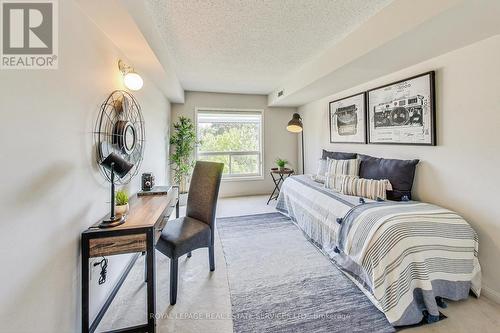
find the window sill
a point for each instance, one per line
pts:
(242, 179)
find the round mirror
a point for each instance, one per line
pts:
(129, 138)
(124, 136)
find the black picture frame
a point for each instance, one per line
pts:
(431, 99)
(362, 122)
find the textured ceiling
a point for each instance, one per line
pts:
(249, 46)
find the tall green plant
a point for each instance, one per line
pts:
(183, 141)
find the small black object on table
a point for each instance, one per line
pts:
(279, 177)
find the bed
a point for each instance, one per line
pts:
(407, 257)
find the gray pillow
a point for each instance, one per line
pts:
(338, 155)
(399, 172)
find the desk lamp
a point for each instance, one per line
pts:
(116, 164)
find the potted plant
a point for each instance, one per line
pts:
(121, 204)
(281, 163)
(183, 141)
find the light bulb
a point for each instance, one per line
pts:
(294, 128)
(133, 81)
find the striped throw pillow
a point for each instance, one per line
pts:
(366, 188)
(337, 168)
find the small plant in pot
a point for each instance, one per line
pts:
(121, 204)
(281, 163)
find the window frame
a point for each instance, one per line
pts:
(229, 178)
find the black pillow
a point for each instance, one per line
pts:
(399, 172)
(338, 155)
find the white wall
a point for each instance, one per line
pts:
(51, 189)
(277, 141)
(461, 173)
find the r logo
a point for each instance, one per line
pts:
(27, 28)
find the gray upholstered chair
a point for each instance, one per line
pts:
(196, 229)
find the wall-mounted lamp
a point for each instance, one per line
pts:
(131, 79)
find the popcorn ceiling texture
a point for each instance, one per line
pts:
(251, 46)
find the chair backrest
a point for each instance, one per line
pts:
(203, 191)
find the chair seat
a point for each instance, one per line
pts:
(183, 235)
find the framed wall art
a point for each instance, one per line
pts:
(348, 120)
(403, 112)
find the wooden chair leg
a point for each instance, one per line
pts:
(174, 265)
(211, 258)
(189, 254)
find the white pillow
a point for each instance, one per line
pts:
(321, 173)
(338, 168)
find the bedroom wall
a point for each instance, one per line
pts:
(278, 142)
(461, 172)
(51, 189)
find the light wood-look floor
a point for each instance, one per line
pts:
(203, 301)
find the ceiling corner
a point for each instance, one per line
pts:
(131, 32)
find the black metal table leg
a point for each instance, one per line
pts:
(177, 209)
(150, 260)
(276, 187)
(178, 200)
(85, 285)
(274, 190)
(280, 181)
(145, 268)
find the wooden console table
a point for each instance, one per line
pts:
(148, 215)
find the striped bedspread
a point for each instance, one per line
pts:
(401, 254)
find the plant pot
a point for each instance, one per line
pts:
(183, 198)
(281, 168)
(121, 210)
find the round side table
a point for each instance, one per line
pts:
(279, 177)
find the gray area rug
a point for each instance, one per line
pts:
(280, 282)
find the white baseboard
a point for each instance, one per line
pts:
(490, 294)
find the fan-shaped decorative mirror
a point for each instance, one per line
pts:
(119, 129)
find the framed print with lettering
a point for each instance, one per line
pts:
(403, 112)
(348, 120)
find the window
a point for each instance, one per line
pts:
(233, 138)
